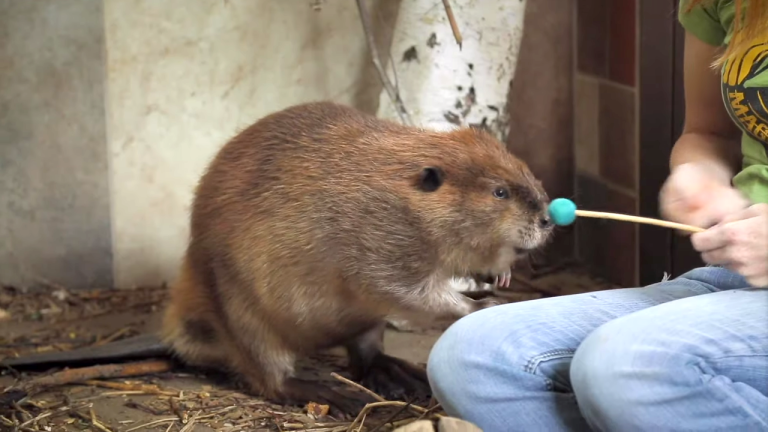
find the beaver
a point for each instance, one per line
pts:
(316, 222)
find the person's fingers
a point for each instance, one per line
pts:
(760, 281)
(676, 208)
(752, 211)
(722, 235)
(708, 240)
(719, 205)
(691, 195)
(719, 256)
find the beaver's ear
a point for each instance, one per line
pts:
(430, 179)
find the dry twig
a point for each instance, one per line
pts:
(92, 420)
(371, 406)
(79, 375)
(452, 20)
(60, 411)
(152, 423)
(394, 95)
(113, 336)
(358, 386)
(188, 427)
(392, 418)
(178, 410)
(421, 411)
(322, 426)
(415, 408)
(123, 370)
(144, 388)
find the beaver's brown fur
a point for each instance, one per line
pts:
(316, 222)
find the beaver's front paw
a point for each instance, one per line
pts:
(503, 280)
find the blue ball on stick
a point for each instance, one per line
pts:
(562, 211)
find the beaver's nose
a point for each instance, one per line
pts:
(545, 222)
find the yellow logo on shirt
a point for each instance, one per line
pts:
(745, 83)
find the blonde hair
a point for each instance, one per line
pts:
(750, 24)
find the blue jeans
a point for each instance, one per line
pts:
(689, 354)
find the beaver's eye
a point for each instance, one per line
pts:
(501, 193)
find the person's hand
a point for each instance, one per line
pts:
(739, 243)
(699, 194)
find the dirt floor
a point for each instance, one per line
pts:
(55, 318)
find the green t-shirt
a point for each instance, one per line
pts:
(744, 88)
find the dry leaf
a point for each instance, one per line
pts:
(316, 410)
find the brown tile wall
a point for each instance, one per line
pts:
(605, 135)
(541, 109)
(609, 247)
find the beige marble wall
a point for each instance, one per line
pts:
(185, 75)
(111, 109)
(54, 195)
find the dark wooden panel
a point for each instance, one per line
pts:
(622, 31)
(592, 26)
(608, 248)
(618, 135)
(656, 128)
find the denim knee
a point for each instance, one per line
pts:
(505, 368)
(494, 354)
(451, 364)
(694, 361)
(714, 278)
(465, 363)
(596, 378)
(614, 378)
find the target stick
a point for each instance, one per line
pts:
(564, 212)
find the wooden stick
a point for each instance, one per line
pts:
(638, 219)
(452, 21)
(76, 376)
(125, 370)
